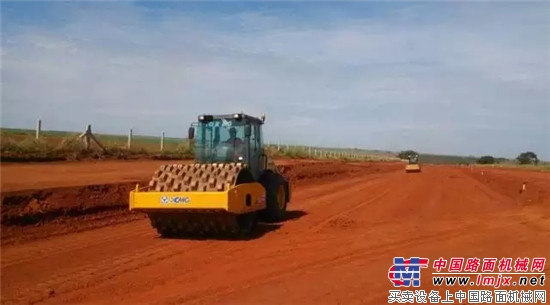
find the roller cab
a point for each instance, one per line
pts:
(413, 166)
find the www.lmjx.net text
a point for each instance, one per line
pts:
(465, 272)
(493, 280)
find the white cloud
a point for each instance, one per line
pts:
(421, 77)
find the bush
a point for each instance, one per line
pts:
(486, 160)
(528, 157)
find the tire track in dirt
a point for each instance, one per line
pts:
(44, 248)
(358, 205)
(65, 279)
(332, 202)
(66, 225)
(388, 190)
(91, 275)
(369, 253)
(308, 193)
(304, 245)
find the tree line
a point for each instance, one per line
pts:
(524, 158)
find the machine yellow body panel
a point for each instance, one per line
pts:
(412, 168)
(234, 200)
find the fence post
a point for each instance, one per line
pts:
(162, 141)
(130, 138)
(88, 132)
(38, 129)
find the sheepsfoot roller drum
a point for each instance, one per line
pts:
(201, 199)
(224, 193)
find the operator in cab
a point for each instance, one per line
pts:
(233, 139)
(236, 146)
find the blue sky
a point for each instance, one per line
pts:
(466, 78)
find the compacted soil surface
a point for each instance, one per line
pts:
(68, 237)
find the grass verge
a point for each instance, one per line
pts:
(21, 146)
(541, 167)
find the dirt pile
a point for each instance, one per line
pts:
(299, 173)
(39, 206)
(308, 172)
(27, 215)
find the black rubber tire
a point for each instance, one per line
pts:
(273, 183)
(247, 223)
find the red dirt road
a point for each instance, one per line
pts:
(336, 248)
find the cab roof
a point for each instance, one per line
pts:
(233, 116)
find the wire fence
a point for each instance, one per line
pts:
(164, 144)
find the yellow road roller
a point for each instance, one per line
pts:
(231, 185)
(413, 166)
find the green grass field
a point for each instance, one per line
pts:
(149, 142)
(542, 166)
(20, 145)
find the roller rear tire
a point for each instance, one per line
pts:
(276, 202)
